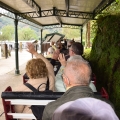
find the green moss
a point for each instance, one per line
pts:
(105, 56)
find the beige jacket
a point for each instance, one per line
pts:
(36, 83)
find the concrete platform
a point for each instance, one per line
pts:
(7, 73)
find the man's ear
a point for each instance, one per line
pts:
(66, 81)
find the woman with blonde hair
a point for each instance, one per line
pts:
(39, 70)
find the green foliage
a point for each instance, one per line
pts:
(27, 34)
(71, 33)
(4, 21)
(114, 8)
(93, 30)
(7, 32)
(105, 56)
(86, 53)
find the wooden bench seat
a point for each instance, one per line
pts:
(20, 116)
(10, 98)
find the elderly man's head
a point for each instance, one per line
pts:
(76, 49)
(36, 68)
(76, 72)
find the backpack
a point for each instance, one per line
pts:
(37, 110)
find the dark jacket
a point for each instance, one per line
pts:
(70, 95)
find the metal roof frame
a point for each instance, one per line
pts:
(60, 14)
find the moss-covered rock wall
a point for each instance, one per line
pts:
(105, 57)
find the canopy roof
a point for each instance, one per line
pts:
(55, 12)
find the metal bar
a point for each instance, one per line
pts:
(67, 7)
(33, 5)
(57, 17)
(81, 34)
(51, 38)
(72, 24)
(60, 13)
(63, 24)
(41, 40)
(17, 72)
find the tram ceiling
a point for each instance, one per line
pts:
(55, 12)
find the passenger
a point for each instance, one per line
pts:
(77, 85)
(75, 49)
(49, 66)
(50, 52)
(61, 47)
(85, 109)
(37, 70)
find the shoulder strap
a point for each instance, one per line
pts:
(31, 87)
(34, 89)
(47, 85)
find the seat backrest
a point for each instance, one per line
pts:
(10, 99)
(104, 93)
(7, 105)
(25, 78)
(8, 88)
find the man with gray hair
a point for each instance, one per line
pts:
(76, 84)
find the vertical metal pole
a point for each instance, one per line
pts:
(81, 34)
(41, 40)
(16, 46)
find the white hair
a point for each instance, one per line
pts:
(51, 50)
(79, 70)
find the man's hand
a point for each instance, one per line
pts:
(30, 48)
(62, 60)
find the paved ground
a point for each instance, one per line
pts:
(7, 73)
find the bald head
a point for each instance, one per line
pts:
(78, 70)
